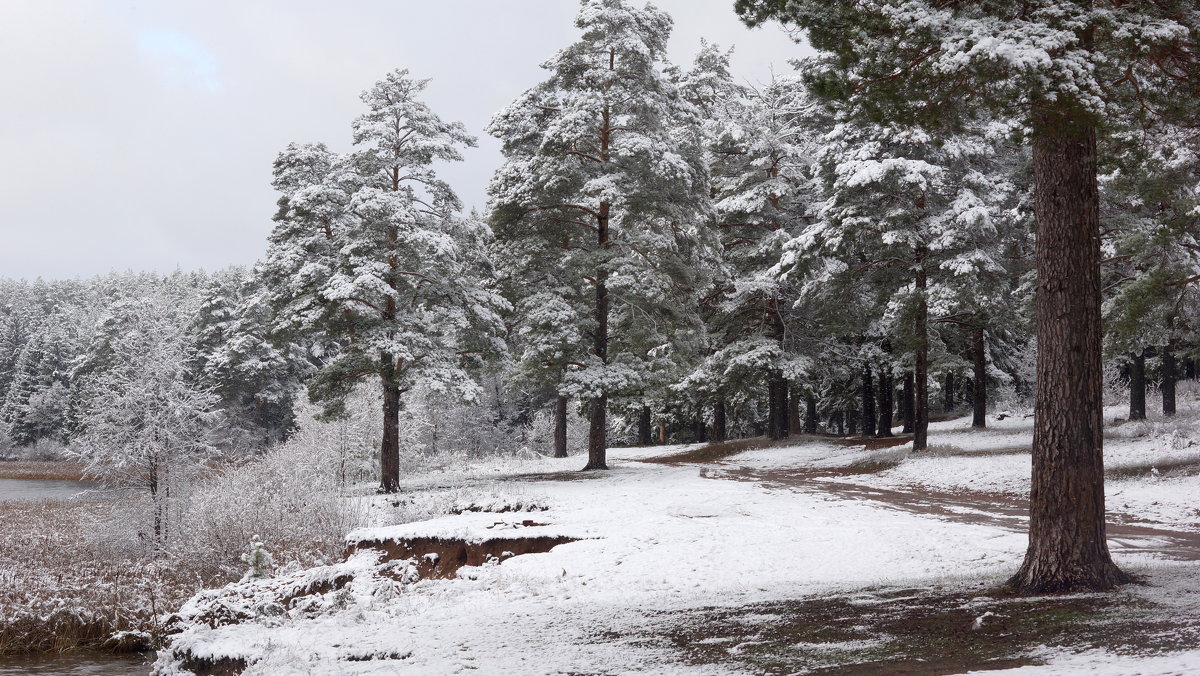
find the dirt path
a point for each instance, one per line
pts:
(1126, 534)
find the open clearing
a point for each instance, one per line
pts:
(818, 556)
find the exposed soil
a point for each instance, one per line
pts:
(917, 631)
(441, 558)
(993, 509)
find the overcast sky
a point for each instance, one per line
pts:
(140, 134)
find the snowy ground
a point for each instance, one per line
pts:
(692, 568)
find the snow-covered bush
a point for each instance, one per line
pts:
(291, 497)
(261, 563)
(541, 432)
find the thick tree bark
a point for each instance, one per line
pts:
(1169, 376)
(777, 411)
(598, 428)
(719, 433)
(794, 412)
(699, 431)
(389, 450)
(1068, 549)
(907, 401)
(560, 427)
(868, 404)
(979, 380)
(920, 404)
(948, 393)
(1137, 385)
(810, 413)
(645, 438)
(883, 428)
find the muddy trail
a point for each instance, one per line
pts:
(1125, 533)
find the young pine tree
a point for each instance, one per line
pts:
(603, 186)
(369, 250)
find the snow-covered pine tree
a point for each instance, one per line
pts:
(370, 250)
(256, 374)
(1062, 68)
(760, 167)
(1151, 216)
(601, 187)
(906, 213)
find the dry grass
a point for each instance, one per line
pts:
(41, 469)
(63, 586)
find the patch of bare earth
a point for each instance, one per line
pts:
(921, 632)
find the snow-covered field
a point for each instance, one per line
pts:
(658, 543)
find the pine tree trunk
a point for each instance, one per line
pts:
(1137, 385)
(389, 450)
(948, 393)
(852, 422)
(810, 414)
(645, 437)
(906, 403)
(597, 433)
(560, 427)
(883, 428)
(699, 431)
(1169, 377)
(598, 427)
(793, 412)
(719, 433)
(1068, 549)
(920, 405)
(979, 382)
(868, 404)
(777, 411)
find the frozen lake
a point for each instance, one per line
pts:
(28, 490)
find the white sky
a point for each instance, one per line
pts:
(139, 134)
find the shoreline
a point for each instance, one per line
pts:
(53, 470)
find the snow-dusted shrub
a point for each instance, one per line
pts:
(290, 498)
(261, 563)
(541, 432)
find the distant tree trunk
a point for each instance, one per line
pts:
(948, 393)
(777, 414)
(1169, 376)
(979, 380)
(906, 403)
(662, 433)
(1137, 385)
(883, 428)
(794, 412)
(1189, 369)
(837, 422)
(868, 404)
(1068, 549)
(598, 429)
(810, 413)
(699, 432)
(920, 406)
(852, 422)
(719, 433)
(772, 409)
(389, 450)
(560, 427)
(645, 438)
